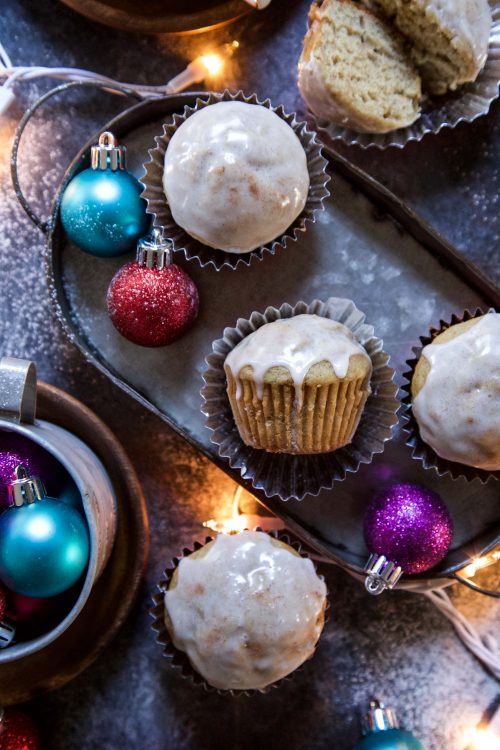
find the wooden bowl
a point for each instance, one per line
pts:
(161, 16)
(112, 597)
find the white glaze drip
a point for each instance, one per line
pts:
(246, 613)
(235, 176)
(458, 407)
(296, 343)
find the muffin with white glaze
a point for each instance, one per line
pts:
(298, 385)
(235, 176)
(455, 393)
(246, 609)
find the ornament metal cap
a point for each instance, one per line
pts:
(7, 633)
(107, 154)
(155, 250)
(25, 489)
(379, 718)
(381, 573)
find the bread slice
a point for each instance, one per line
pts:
(449, 38)
(353, 70)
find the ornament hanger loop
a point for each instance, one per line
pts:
(107, 154)
(107, 140)
(155, 250)
(381, 574)
(374, 586)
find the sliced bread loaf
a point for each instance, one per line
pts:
(353, 70)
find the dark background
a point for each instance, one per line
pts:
(397, 646)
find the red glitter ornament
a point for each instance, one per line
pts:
(17, 731)
(152, 301)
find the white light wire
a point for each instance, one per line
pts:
(195, 72)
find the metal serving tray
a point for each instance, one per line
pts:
(366, 246)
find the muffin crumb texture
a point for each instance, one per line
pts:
(354, 71)
(456, 393)
(246, 609)
(449, 38)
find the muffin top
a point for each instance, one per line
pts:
(235, 176)
(297, 344)
(246, 609)
(456, 393)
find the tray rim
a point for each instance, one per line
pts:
(129, 493)
(393, 209)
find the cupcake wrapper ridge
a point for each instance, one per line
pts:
(421, 451)
(154, 194)
(289, 476)
(178, 659)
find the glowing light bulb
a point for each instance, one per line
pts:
(470, 570)
(209, 65)
(484, 739)
(213, 63)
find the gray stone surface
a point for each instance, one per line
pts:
(398, 646)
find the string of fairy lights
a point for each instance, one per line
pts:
(210, 65)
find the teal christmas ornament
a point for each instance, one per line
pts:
(70, 494)
(44, 543)
(381, 731)
(101, 208)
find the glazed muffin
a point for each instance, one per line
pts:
(298, 385)
(235, 176)
(247, 610)
(449, 38)
(354, 71)
(455, 392)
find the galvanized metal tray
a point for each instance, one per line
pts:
(367, 246)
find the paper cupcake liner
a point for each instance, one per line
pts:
(295, 476)
(421, 450)
(179, 659)
(154, 194)
(470, 101)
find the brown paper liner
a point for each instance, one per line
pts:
(289, 476)
(179, 659)
(154, 194)
(328, 418)
(421, 450)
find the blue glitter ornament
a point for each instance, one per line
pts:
(381, 731)
(44, 543)
(101, 208)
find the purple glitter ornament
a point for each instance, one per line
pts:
(17, 449)
(410, 526)
(8, 462)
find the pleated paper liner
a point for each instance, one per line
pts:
(421, 450)
(295, 476)
(154, 194)
(469, 102)
(179, 659)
